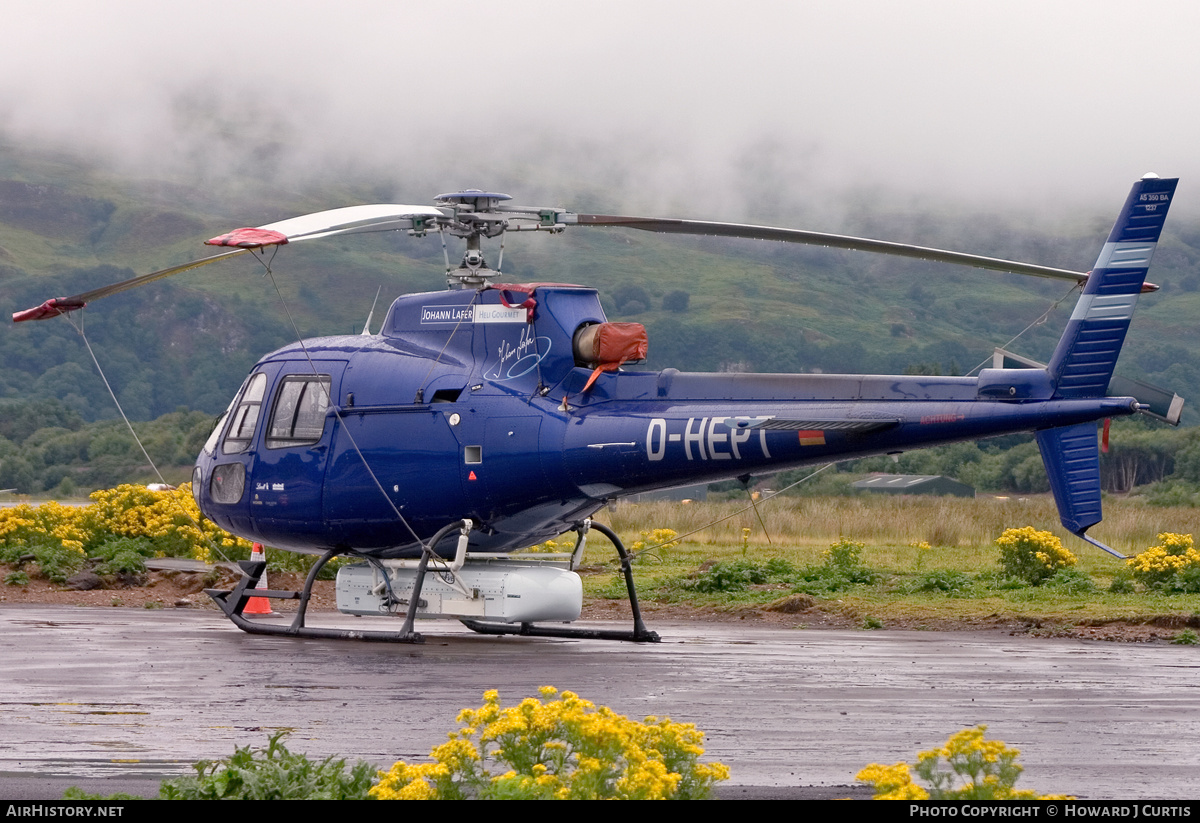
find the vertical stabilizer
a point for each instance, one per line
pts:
(1083, 363)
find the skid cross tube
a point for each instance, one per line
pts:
(233, 602)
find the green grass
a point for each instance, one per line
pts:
(908, 584)
(959, 528)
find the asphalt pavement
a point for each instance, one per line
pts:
(100, 696)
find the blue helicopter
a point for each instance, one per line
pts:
(492, 416)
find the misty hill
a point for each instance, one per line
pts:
(709, 304)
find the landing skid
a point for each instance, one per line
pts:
(232, 603)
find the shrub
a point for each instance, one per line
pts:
(1071, 581)
(841, 568)
(948, 581)
(727, 576)
(123, 555)
(997, 580)
(676, 301)
(631, 298)
(1187, 637)
(169, 521)
(1121, 584)
(57, 563)
(558, 748)
(1187, 580)
(285, 561)
(273, 773)
(844, 556)
(1031, 555)
(1172, 565)
(25, 526)
(1169, 493)
(974, 769)
(736, 575)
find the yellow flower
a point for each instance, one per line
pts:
(559, 747)
(892, 782)
(1032, 555)
(1158, 566)
(976, 769)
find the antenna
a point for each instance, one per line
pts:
(366, 332)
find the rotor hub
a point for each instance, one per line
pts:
(474, 199)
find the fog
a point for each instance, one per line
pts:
(690, 107)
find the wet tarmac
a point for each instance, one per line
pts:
(118, 693)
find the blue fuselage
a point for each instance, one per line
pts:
(461, 408)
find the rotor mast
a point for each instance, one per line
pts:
(471, 215)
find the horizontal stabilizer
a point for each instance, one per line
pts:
(1155, 401)
(1165, 405)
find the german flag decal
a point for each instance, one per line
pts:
(812, 437)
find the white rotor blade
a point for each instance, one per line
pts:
(373, 217)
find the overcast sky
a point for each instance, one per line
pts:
(694, 106)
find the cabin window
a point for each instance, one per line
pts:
(299, 415)
(245, 416)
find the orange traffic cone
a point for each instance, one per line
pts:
(258, 605)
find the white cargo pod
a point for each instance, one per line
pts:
(502, 591)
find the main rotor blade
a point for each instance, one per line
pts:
(60, 305)
(816, 238)
(349, 220)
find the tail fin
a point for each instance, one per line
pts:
(1083, 363)
(1072, 459)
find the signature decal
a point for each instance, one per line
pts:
(516, 359)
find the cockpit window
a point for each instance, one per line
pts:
(299, 414)
(245, 416)
(210, 445)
